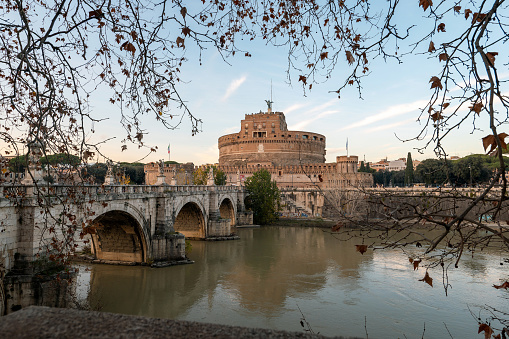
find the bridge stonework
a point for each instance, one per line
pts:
(129, 223)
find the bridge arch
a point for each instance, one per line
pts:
(190, 221)
(119, 236)
(227, 210)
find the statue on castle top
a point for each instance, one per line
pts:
(269, 104)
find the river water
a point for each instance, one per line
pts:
(263, 279)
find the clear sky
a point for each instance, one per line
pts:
(221, 93)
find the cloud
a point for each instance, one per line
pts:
(230, 130)
(390, 112)
(292, 108)
(389, 126)
(301, 125)
(234, 85)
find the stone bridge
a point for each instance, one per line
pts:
(128, 223)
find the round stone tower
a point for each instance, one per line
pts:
(264, 139)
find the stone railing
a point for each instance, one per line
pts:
(9, 191)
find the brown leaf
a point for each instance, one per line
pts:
(180, 42)
(349, 57)
(416, 263)
(303, 79)
(437, 116)
(457, 9)
(324, 55)
(183, 11)
(479, 17)
(425, 4)
(491, 57)
(435, 82)
(411, 260)
(361, 248)
(431, 47)
(186, 31)
(441, 27)
(427, 279)
(487, 330)
(97, 13)
(467, 13)
(443, 57)
(128, 47)
(445, 105)
(504, 285)
(476, 107)
(336, 227)
(490, 140)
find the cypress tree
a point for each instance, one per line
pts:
(409, 171)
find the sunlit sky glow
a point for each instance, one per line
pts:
(220, 94)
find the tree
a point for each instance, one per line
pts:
(362, 168)
(409, 171)
(219, 177)
(53, 57)
(264, 197)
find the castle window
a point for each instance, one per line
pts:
(321, 139)
(247, 126)
(273, 125)
(314, 137)
(263, 124)
(304, 136)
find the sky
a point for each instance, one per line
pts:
(221, 92)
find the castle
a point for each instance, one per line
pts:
(294, 158)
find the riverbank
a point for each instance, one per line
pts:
(299, 222)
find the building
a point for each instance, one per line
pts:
(294, 158)
(182, 174)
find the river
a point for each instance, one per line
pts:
(263, 279)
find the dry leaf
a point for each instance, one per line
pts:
(476, 107)
(431, 47)
(324, 55)
(427, 279)
(489, 140)
(302, 78)
(349, 57)
(504, 285)
(467, 13)
(416, 264)
(180, 42)
(457, 9)
(361, 248)
(441, 27)
(491, 57)
(425, 4)
(487, 330)
(435, 82)
(443, 57)
(437, 116)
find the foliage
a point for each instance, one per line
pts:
(409, 171)
(95, 173)
(264, 197)
(200, 176)
(135, 172)
(18, 164)
(61, 159)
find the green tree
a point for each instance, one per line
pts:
(434, 172)
(219, 177)
(264, 197)
(362, 168)
(18, 164)
(61, 159)
(409, 171)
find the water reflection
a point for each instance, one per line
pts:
(259, 281)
